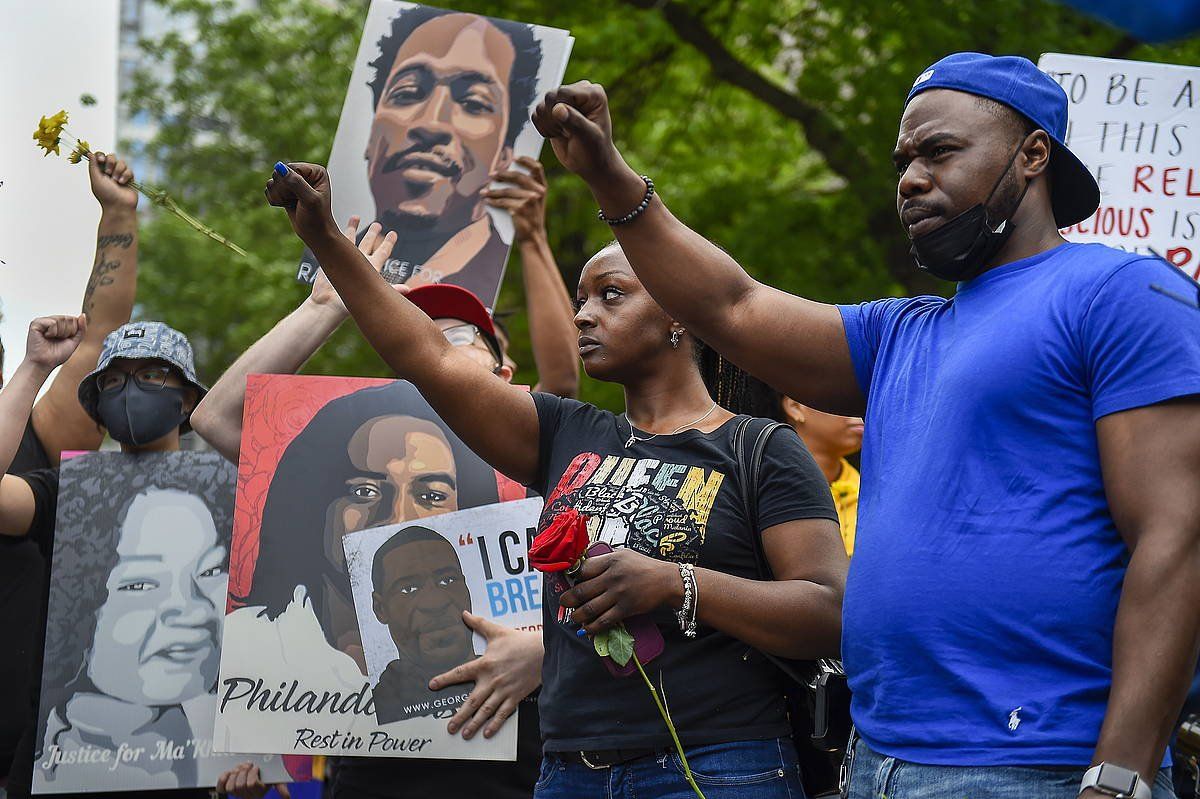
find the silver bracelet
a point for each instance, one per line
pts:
(691, 600)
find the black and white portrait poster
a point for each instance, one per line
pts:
(438, 102)
(137, 599)
(323, 461)
(411, 584)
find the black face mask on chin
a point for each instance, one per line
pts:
(137, 417)
(962, 247)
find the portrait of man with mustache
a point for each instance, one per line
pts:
(420, 593)
(452, 92)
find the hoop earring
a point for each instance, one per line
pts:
(675, 336)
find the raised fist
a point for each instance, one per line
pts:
(110, 177)
(575, 120)
(304, 191)
(53, 339)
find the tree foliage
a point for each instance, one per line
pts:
(767, 125)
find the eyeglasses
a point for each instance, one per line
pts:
(463, 335)
(466, 334)
(151, 378)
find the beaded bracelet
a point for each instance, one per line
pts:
(691, 600)
(636, 212)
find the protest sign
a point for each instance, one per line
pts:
(411, 583)
(438, 101)
(1136, 126)
(323, 458)
(133, 625)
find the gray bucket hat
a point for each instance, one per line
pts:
(142, 340)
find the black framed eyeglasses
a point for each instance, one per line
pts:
(466, 334)
(150, 378)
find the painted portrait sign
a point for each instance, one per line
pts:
(411, 584)
(140, 565)
(438, 102)
(323, 458)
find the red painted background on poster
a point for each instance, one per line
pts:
(277, 408)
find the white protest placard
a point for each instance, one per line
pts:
(1136, 125)
(411, 583)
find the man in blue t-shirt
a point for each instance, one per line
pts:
(1021, 606)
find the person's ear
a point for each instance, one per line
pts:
(505, 373)
(793, 411)
(1037, 153)
(377, 606)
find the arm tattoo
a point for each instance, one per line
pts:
(122, 240)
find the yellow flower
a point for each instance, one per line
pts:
(81, 151)
(49, 132)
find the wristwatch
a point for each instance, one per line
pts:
(1114, 780)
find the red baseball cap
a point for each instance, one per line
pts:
(447, 301)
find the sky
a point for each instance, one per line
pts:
(50, 55)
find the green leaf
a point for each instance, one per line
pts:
(620, 645)
(600, 642)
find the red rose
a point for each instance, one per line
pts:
(563, 542)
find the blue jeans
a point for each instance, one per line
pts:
(741, 770)
(873, 776)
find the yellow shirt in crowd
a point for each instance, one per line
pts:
(845, 497)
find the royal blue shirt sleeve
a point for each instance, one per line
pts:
(866, 325)
(1140, 346)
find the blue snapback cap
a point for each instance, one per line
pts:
(1017, 83)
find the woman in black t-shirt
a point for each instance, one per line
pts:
(658, 484)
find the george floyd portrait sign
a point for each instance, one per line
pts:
(134, 625)
(411, 584)
(1137, 127)
(324, 458)
(438, 102)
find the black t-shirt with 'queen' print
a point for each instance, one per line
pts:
(674, 498)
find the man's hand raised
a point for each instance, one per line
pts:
(575, 120)
(53, 339)
(376, 246)
(304, 191)
(110, 178)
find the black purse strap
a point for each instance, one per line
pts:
(748, 461)
(749, 465)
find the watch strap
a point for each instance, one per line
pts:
(1115, 780)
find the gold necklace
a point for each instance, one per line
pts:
(633, 436)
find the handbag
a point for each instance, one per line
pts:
(818, 697)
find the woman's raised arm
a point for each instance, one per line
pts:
(498, 421)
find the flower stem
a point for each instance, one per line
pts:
(165, 201)
(687, 771)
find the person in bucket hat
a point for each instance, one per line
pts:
(1019, 618)
(144, 384)
(142, 392)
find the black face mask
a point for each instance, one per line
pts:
(135, 416)
(961, 248)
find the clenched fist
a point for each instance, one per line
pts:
(575, 120)
(53, 339)
(304, 191)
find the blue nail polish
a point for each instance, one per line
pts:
(581, 632)
(280, 168)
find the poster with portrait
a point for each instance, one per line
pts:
(133, 629)
(1137, 127)
(439, 101)
(321, 459)
(411, 584)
